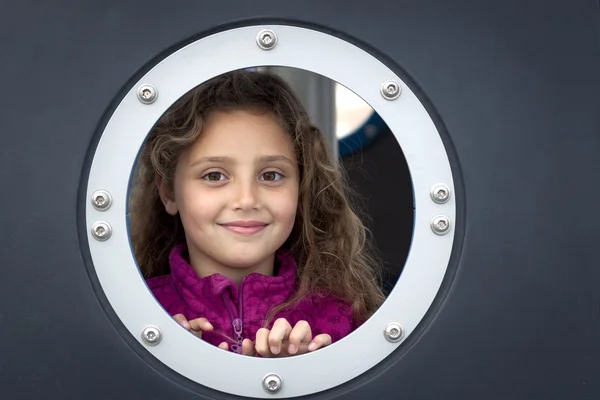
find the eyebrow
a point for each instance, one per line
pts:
(219, 160)
(264, 159)
(231, 160)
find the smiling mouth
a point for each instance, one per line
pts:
(245, 227)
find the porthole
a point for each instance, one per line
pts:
(425, 155)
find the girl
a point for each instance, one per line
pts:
(241, 225)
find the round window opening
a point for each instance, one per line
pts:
(239, 218)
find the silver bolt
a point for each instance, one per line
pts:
(147, 94)
(266, 39)
(272, 383)
(440, 225)
(101, 231)
(393, 332)
(101, 200)
(390, 90)
(440, 193)
(151, 335)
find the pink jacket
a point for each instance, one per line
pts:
(237, 313)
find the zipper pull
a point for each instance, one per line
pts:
(238, 327)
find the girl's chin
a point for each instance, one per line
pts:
(242, 264)
(250, 262)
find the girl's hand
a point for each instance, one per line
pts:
(199, 325)
(283, 341)
(196, 326)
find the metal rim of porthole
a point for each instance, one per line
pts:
(107, 226)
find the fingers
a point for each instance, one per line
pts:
(196, 326)
(300, 334)
(319, 341)
(224, 346)
(182, 320)
(282, 340)
(201, 324)
(281, 331)
(248, 348)
(261, 344)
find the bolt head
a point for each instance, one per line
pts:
(272, 383)
(266, 39)
(101, 231)
(151, 335)
(390, 90)
(440, 225)
(147, 94)
(440, 193)
(393, 332)
(101, 200)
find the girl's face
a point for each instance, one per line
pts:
(236, 190)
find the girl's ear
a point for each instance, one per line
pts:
(166, 195)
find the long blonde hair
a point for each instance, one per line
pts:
(329, 241)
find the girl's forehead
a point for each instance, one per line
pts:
(242, 135)
(242, 127)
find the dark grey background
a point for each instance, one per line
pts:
(513, 85)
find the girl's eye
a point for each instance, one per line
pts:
(271, 176)
(214, 177)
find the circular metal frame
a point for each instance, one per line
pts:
(425, 266)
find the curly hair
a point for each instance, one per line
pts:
(329, 242)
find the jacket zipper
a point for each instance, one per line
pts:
(236, 322)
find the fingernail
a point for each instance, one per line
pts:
(292, 349)
(274, 350)
(208, 325)
(312, 346)
(185, 325)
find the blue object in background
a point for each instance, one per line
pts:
(362, 137)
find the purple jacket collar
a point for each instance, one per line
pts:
(189, 284)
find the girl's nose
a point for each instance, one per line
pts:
(246, 197)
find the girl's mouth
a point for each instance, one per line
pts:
(245, 227)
